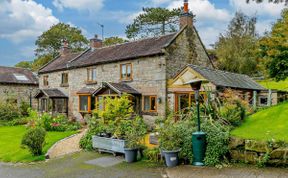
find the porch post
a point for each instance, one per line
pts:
(254, 100)
(269, 97)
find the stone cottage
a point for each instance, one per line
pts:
(75, 83)
(17, 85)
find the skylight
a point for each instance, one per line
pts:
(20, 77)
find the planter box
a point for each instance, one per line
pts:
(109, 145)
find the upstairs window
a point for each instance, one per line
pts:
(126, 71)
(45, 80)
(150, 104)
(64, 80)
(91, 75)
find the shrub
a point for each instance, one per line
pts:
(24, 108)
(8, 111)
(135, 133)
(86, 141)
(152, 154)
(34, 139)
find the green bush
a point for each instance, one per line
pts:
(24, 108)
(135, 133)
(86, 141)
(34, 139)
(8, 111)
(152, 154)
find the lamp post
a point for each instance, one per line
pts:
(199, 137)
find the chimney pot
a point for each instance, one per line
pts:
(186, 17)
(65, 48)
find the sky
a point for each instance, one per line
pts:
(22, 21)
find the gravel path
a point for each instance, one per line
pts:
(66, 146)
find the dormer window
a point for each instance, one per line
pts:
(126, 72)
(45, 80)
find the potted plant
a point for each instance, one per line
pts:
(136, 130)
(170, 143)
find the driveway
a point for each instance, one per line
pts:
(74, 166)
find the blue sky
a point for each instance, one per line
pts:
(21, 21)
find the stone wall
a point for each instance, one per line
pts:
(21, 93)
(148, 78)
(252, 151)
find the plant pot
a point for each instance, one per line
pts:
(131, 154)
(171, 158)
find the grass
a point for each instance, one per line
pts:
(271, 84)
(10, 144)
(267, 124)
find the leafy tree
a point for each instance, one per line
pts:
(271, 1)
(24, 64)
(41, 61)
(235, 49)
(273, 49)
(50, 42)
(113, 41)
(153, 22)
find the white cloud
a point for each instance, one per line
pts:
(91, 5)
(21, 20)
(253, 8)
(159, 2)
(204, 10)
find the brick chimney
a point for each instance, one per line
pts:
(186, 18)
(96, 42)
(65, 48)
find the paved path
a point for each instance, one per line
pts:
(66, 146)
(234, 172)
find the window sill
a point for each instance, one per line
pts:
(126, 80)
(149, 113)
(91, 82)
(64, 85)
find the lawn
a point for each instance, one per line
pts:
(271, 84)
(10, 141)
(271, 123)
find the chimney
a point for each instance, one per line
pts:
(186, 18)
(65, 48)
(95, 42)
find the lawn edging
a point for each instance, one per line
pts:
(258, 152)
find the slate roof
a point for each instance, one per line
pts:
(227, 79)
(86, 90)
(131, 50)
(8, 75)
(51, 93)
(119, 88)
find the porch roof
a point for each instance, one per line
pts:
(50, 93)
(119, 88)
(86, 90)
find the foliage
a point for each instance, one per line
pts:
(50, 42)
(235, 49)
(24, 64)
(270, 1)
(273, 49)
(113, 41)
(266, 124)
(135, 132)
(24, 108)
(272, 84)
(152, 154)
(153, 22)
(11, 151)
(9, 111)
(34, 139)
(40, 61)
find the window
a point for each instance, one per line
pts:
(150, 104)
(101, 101)
(64, 80)
(85, 103)
(126, 71)
(45, 80)
(91, 75)
(20, 77)
(263, 100)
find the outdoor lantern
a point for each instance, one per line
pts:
(199, 137)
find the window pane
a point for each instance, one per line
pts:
(94, 74)
(153, 104)
(123, 71)
(83, 103)
(129, 71)
(100, 103)
(146, 103)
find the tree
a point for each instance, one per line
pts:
(273, 49)
(153, 22)
(113, 41)
(24, 64)
(271, 1)
(41, 61)
(50, 42)
(235, 49)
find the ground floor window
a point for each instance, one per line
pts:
(263, 100)
(85, 103)
(100, 101)
(149, 104)
(184, 101)
(60, 105)
(44, 105)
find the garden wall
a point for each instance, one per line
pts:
(255, 152)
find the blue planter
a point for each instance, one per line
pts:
(171, 158)
(131, 155)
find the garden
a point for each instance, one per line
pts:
(27, 135)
